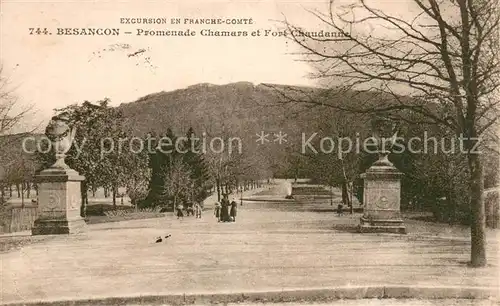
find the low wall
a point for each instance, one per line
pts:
(310, 190)
(17, 217)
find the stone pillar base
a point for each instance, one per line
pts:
(58, 227)
(381, 210)
(59, 202)
(394, 226)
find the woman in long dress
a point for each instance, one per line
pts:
(232, 213)
(224, 215)
(180, 214)
(197, 210)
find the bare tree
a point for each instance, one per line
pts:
(11, 111)
(177, 182)
(12, 114)
(136, 178)
(439, 60)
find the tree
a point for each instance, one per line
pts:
(442, 56)
(161, 157)
(13, 164)
(178, 169)
(194, 160)
(137, 177)
(12, 112)
(178, 183)
(221, 166)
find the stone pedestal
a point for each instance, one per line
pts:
(381, 200)
(59, 202)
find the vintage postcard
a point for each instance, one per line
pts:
(326, 152)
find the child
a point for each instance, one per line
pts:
(190, 209)
(217, 211)
(340, 208)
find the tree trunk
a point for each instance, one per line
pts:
(134, 203)
(22, 194)
(86, 201)
(94, 191)
(83, 192)
(450, 207)
(106, 192)
(350, 193)
(217, 182)
(28, 189)
(18, 189)
(345, 199)
(478, 219)
(114, 196)
(10, 191)
(331, 194)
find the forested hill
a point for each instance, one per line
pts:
(232, 109)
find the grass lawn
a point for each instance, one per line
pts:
(123, 217)
(101, 213)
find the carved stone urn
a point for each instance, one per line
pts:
(61, 134)
(385, 133)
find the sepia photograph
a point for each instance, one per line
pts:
(257, 152)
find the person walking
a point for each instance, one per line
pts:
(190, 208)
(197, 210)
(180, 213)
(232, 213)
(217, 211)
(224, 214)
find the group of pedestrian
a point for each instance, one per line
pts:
(193, 209)
(225, 211)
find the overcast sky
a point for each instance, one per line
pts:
(52, 71)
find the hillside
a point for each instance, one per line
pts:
(238, 110)
(214, 109)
